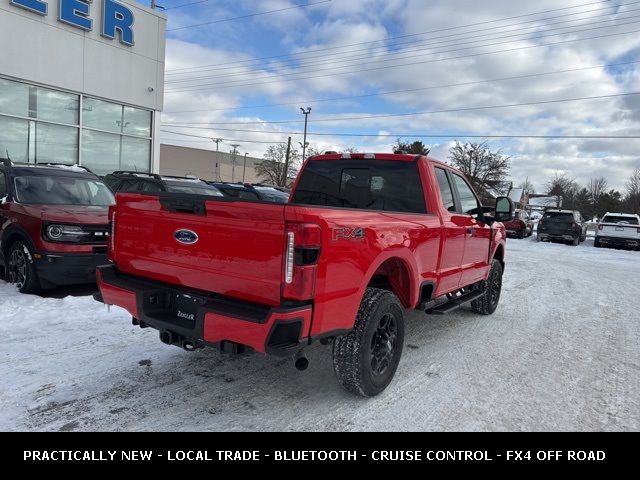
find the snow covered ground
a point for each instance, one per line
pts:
(561, 353)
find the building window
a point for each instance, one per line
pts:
(106, 152)
(41, 125)
(115, 118)
(14, 98)
(14, 138)
(55, 144)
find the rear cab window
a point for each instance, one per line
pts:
(384, 185)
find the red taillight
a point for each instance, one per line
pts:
(111, 245)
(573, 225)
(600, 227)
(302, 251)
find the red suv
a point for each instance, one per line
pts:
(53, 225)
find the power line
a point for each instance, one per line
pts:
(237, 85)
(433, 135)
(185, 5)
(209, 138)
(400, 36)
(248, 16)
(348, 59)
(412, 114)
(411, 90)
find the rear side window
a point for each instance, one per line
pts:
(3, 185)
(130, 186)
(151, 187)
(445, 190)
(363, 184)
(607, 219)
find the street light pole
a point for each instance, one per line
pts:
(244, 166)
(234, 152)
(306, 113)
(217, 171)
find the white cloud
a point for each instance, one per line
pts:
(303, 32)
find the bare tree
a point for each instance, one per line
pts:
(485, 169)
(271, 169)
(564, 188)
(632, 199)
(527, 186)
(597, 189)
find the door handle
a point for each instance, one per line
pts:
(471, 231)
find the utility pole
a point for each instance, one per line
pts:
(244, 166)
(217, 170)
(283, 180)
(306, 113)
(234, 152)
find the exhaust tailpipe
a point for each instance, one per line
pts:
(300, 361)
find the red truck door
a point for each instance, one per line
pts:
(453, 237)
(477, 234)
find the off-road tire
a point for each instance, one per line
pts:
(353, 353)
(488, 302)
(19, 268)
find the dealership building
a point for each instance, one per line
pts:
(81, 82)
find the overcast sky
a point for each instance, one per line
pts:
(348, 59)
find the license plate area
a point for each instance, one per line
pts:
(619, 229)
(172, 306)
(184, 307)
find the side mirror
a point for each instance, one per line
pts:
(504, 209)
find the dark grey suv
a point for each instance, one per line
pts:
(562, 225)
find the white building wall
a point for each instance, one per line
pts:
(43, 50)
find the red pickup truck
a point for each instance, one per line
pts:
(364, 238)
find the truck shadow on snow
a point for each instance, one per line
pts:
(161, 387)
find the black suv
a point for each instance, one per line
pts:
(563, 225)
(153, 183)
(247, 191)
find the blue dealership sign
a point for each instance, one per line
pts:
(117, 19)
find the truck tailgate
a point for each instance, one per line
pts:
(238, 251)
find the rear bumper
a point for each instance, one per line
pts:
(558, 236)
(58, 269)
(210, 320)
(618, 241)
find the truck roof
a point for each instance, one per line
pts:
(398, 157)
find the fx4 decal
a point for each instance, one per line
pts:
(347, 233)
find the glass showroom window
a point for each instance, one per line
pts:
(115, 137)
(40, 125)
(14, 138)
(30, 123)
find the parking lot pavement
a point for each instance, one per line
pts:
(561, 353)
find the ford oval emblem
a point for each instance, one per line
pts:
(187, 237)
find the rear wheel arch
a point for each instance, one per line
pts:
(395, 275)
